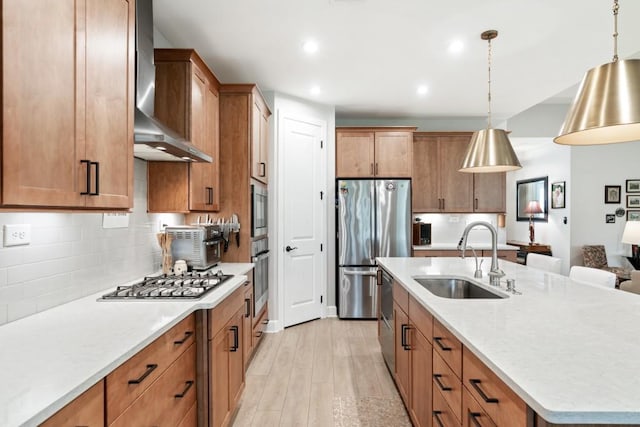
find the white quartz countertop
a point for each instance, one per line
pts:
(50, 358)
(454, 247)
(570, 350)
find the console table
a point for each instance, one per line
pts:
(525, 248)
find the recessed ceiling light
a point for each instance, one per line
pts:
(423, 89)
(315, 90)
(456, 46)
(310, 46)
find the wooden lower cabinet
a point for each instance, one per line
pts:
(86, 410)
(401, 348)
(421, 373)
(259, 326)
(191, 419)
(168, 399)
(507, 255)
(442, 414)
(247, 324)
(473, 415)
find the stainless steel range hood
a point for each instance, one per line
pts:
(152, 139)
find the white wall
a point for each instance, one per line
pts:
(592, 168)
(283, 105)
(71, 255)
(541, 157)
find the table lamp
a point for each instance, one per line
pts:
(533, 207)
(631, 234)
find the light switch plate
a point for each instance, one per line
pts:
(17, 234)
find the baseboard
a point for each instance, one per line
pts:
(331, 311)
(273, 326)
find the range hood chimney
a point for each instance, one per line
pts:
(152, 139)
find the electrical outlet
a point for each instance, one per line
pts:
(17, 234)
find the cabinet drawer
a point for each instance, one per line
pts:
(495, 397)
(259, 326)
(421, 318)
(191, 419)
(135, 375)
(448, 346)
(472, 413)
(442, 414)
(86, 410)
(168, 399)
(401, 296)
(448, 384)
(220, 315)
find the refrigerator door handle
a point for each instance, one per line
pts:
(360, 273)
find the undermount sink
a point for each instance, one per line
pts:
(456, 288)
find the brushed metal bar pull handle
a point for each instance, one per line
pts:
(88, 191)
(443, 347)
(436, 378)
(189, 384)
(436, 415)
(97, 192)
(184, 339)
(247, 306)
(473, 416)
(150, 368)
(234, 348)
(475, 384)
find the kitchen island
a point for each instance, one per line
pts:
(569, 350)
(50, 358)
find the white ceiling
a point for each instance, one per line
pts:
(373, 54)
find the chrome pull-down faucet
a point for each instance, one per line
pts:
(494, 273)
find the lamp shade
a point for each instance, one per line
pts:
(606, 109)
(490, 151)
(533, 207)
(631, 233)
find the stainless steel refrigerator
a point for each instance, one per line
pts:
(374, 220)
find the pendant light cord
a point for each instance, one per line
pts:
(489, 84)
(616, 8)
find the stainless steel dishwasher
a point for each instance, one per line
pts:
(386, 320)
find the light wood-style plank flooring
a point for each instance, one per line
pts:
(328, 372)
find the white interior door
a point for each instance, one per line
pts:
(303, 219)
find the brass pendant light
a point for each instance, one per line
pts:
(606, 109)
(490, 149)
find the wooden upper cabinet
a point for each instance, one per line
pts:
(489, 190)
(68, 133)
(374, 152)
(438, 186)
(187, 100)
(259, 140)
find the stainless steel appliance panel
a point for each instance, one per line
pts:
(259, 206)
(386, 320)
(260, 258)
(358, 292)
(356, 217)
(393, 218)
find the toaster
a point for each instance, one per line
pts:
(199, 245)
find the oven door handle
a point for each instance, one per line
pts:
(359, 273)
(260, 256)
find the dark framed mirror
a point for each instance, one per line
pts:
(532, 197)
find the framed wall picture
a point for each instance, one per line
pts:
(532, 190)
(633, 201)
(558, 195)
(633, 186)
(633, 215)
(612, 193)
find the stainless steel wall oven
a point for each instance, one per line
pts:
(260, 258)
(259, 206)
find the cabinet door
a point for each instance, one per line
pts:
(219, 378)
(247, 325)
(456, 187)
(199, 173)
(426, 170)
(401, 337)
(85, 410)
(489, 192)
(393, 154)
(264, 145)
(421, 379)
(109, 69)
(236, 360)
(355, 154)
(259, 137)
(213, 129)
(40, 158)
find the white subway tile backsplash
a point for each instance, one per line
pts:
(71, 255)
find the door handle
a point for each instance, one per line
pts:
(289, 248)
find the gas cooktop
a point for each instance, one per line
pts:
(191, 285)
